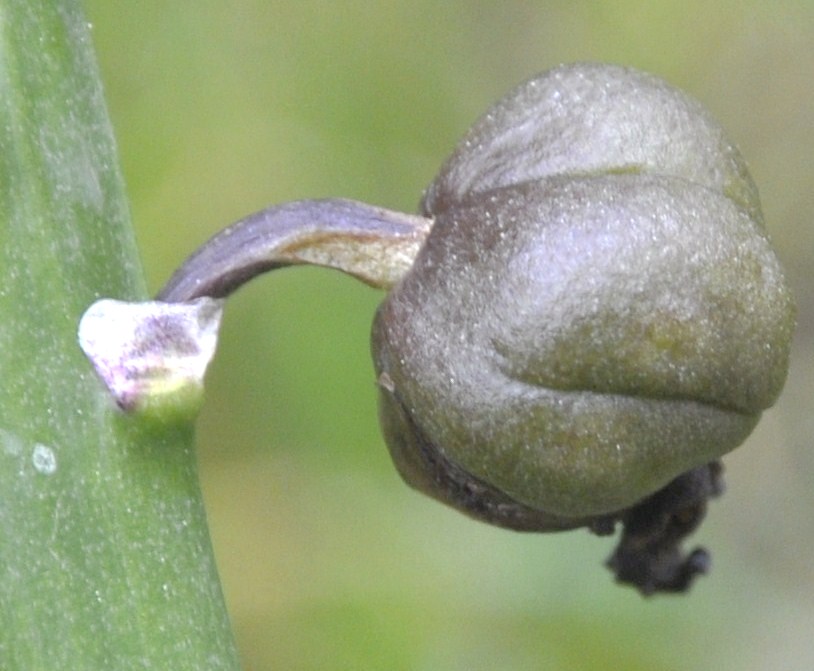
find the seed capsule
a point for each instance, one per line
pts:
(596, 310)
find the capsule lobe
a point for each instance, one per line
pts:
(596, 309)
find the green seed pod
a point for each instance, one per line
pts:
(595, 311)
(587, 316)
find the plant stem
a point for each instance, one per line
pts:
(104, 550)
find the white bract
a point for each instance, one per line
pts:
(151, 353)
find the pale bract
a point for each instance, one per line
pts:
(152, 355)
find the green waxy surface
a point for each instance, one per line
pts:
(104, 554)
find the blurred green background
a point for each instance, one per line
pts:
(328, 561)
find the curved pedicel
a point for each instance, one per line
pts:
(586, 318)
(371, 243)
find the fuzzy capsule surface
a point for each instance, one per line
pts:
(596, 309)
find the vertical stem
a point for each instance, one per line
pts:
(105, 560)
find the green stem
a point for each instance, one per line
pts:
(105, 560)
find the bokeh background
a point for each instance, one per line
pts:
(328, 561)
